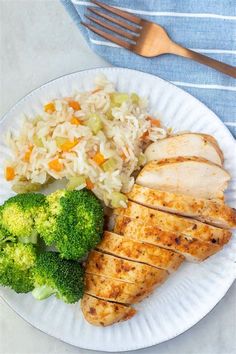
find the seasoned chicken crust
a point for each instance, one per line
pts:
(104, 313)
(99, 263)
(115, 290)
(139, 251)
(213, 212)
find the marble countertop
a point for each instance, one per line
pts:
(39, 42)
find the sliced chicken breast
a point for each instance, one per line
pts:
(185, 145)
(99, 263)
(104, 313)
(193, 176)
(174, 224)
(139, 251)
(210, 211)
(194, 250)
(115, 290)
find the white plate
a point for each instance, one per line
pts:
(190, 293)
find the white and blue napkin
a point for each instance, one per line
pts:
(206, 26)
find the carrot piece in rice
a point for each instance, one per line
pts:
(99, 158)
(75, 121)
(145, 136)
(56, 165)
(75, 105)
(49, 107)
(9, 173)
(27, 155)
(68, 145)
(154, 122)
(123, 156)
(89, 183)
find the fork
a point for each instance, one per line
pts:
(143, 37)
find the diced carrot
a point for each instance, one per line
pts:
(99, 158)
(154, 122)
(96, 90)
(75, 105)
(27, 155)
(89, 183)
(9, 173)
(145, 136)
(123, 156)
(56, 165)
(68, 145)
(75, 121)
(49, 107)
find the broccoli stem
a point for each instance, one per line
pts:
(43, 292)
(33, 238)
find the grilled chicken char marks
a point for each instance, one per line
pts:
(213, 212)
(104, 313)
(139, 251)
(99, 263)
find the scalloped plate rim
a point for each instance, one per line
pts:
(214, 116)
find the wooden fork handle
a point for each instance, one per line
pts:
(203, 59)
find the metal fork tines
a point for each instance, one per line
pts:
(129, 36)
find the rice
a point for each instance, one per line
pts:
(76, 137)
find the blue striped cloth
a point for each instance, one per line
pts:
(206, 26)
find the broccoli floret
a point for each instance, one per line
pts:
(53, 275)
(46, 220)
(18, 216)
(16, 262)
(72, 221)
(5, 237)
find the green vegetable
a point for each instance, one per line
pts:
(109, 165)
(75, 182)
(25, 187)
(109, 114)
(141, 159)
(16, 264)
(60, 141)
(118, 98)
(33, 238)
(72, 221)
(5, 237)
(37, 141)
(117, 199)
(18, 215)
(134, 98)
(94, 122)
(53, 275)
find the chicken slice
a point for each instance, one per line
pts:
(185, 145)
(139, 251)
(115, 290)
(192, 249)
(104, 313)
(193, 176)
(211, 211)
(175, 224)
(99, 263)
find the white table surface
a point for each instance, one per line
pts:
(39, 42)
